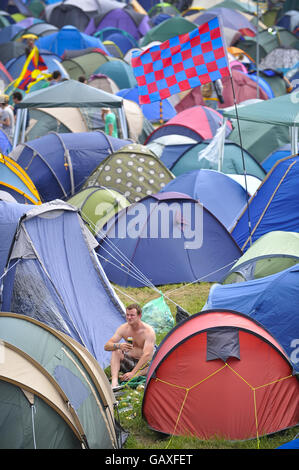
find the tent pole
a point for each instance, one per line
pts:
(17, 128)
(294, 140)
(257, 51)
(243, 160)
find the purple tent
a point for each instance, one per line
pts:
(126, 19)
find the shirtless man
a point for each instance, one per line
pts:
(130, 358)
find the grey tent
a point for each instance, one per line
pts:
(53, 393)
(70, 94)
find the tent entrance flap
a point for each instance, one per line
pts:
(223, 343)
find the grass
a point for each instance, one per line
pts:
(192, 298)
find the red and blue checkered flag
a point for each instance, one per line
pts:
(181, 63)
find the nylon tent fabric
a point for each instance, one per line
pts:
(271, 253)
(73, 369)
(167, 29)
(273, 207)
(85, 64)
(190, 246)
(62, 15)
(281, 59)
(10, 213)
(5, 143)
(68, 38)
(136, 24)
(133, 170)
(244, 88)
(18, 397)
(11, 49)
(220, 373)
(275, 80)
(222, 196)
(97, 205)
(290, 21)
(278, 154)
(198, 122)
(271, 300)
(267, 42)
(60, 164)
(232, 161)
(67, 285)
(121, 37)
(8, 33)
(16, 182)
(265, 121)
(59, 120)
(74, 94)
(120, 72)
(230, 18)
(103, 82)
(40, 29)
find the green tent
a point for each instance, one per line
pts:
(69, 94)
(168, 29)
(53, 393)
(133, 170)
(270, 122)
(97, 205)
(271, 253)
(85, 64)
(267, 41)
(232, 161)
(120, 72)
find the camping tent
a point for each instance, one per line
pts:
(97, 205)
(186, 241)
(68, 38)
(220, 194)
(59, 164)
(220, 374)
(53, 394)
(281, 111)
(271, 253)
(85, 63)
(244, 88)
(273, 207)
(15, 181)
(133, 170)
(198, 122)
(232, 160)
(72, 94)
(270, 300)
(53, 275)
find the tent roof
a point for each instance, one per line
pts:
(282, 110)
(70, 93)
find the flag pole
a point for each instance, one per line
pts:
(161, 112)
(257, 51)
(243, 160)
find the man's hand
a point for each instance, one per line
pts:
(125, 346)
(127, 376)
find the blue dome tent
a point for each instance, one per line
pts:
(59, 164)
(274, 206)
(218, 193)
(68, 38)
(191, 245)
(59, 280)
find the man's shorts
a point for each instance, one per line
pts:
(127, 363)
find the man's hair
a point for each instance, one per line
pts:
(17, 95)
(82, 78)
(136, 306)
(56, 74)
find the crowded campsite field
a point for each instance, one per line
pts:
(149, 225)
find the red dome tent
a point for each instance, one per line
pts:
(219, 373)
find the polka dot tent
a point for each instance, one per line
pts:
(133, 170)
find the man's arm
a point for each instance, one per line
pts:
(147, 354)
(113, 343)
